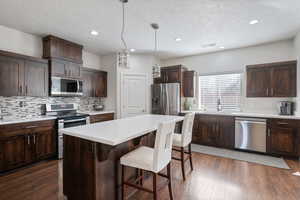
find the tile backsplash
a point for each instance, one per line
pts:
(27, 107)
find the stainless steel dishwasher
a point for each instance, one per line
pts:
(251, 134)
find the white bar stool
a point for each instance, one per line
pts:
(184, 140)
(151, 159)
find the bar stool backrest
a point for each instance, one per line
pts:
(163, 145)
(187, 129)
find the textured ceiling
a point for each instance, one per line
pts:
(197, 22)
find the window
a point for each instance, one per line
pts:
(222, 89)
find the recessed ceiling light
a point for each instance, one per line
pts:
(178, 39)
(252, 22)
(221, 47)
(132, 50)
(93, 32)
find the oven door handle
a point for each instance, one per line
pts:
(74, 120)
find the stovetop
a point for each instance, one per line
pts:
(72, 116)
(67, 115)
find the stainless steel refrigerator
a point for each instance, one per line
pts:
(166, 99)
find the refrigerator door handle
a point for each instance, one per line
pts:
(162, 99)
(164, 103)
(167, 101)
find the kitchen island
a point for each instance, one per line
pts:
(91, 169)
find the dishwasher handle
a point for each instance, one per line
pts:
(249, 120)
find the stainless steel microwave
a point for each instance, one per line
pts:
(66, 87)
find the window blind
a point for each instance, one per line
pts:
(226, 88)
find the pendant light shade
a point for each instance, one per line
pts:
(123, 56)
(156, 68)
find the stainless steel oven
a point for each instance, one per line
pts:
(67, 116)
(66, 87)
(68, 123)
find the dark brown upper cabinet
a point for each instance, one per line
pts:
(57, 48)
(171, 74)
(178, 74)
(88, 80)
(62, 68)
(23, 75)
(258, 82)
(11, 81)
(101, 84)
(65, 57)
(95, 83)
(272, 80)
(188, 84)
(36, 78)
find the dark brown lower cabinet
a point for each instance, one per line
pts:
(45, 143)
(283, 137)
(101, 117)
(226, 129)
(214, 131)
(13, 152)
(25, 143)
(205, 130)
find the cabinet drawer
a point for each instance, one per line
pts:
(28, 127)
(101, 117)
(284, 123)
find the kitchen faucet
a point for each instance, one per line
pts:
(1, 114)
(219, 106)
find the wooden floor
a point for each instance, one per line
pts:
(212, 178)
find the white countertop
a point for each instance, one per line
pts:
(244, 114)
(96, 112)
(121, 130)
(8, 120)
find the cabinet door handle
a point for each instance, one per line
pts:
(33, 139)
(26, 90)
(272, 91)
(28, 139)
(283, 123)
(21, 89)
(268, 133)
(267, 91)
(28, 127)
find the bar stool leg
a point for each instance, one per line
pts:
(170, 180)
(141, 175)
(182, 162)
(190, 152)
(123, 185)
(154, 186)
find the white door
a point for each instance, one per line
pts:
(133, 95)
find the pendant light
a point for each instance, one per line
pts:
(156, 67)
(123, 56)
